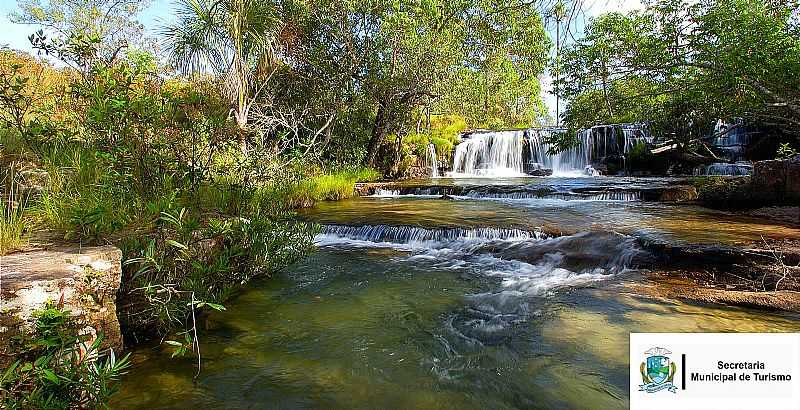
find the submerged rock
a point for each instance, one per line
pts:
(778, 300)
(86, 280)
(542, 172)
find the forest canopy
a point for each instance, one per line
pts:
(683, 65)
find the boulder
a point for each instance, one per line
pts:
(777, 181)
(86, 280)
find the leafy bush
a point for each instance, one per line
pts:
(785, 151)
(183, 261)
(58, 368)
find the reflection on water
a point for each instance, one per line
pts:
(434, 304)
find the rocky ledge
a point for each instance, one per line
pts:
(666, 193)
(85, 280)
(665, 286)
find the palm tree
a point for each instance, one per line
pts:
(234, 39)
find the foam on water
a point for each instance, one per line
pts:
(428, 193)
(527, 263)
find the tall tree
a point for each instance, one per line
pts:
(497, 84)
(396, 53)
(234, 39)
(480, 58)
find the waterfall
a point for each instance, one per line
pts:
(502, 153)
(724, 169)
(434, 164)
(409, 234)
(569, 162)
(732, 139)
(493, 154)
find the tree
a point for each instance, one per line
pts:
(497, 85)
(101, 28)
(233, 39)
(684, 66)
(395, 54)
(401, 58)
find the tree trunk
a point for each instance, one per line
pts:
(379, 130)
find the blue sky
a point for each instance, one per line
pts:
(16, 35)
(160, 12)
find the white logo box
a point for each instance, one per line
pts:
(715, 371)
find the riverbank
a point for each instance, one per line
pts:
(83, 281)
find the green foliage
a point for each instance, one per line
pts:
(13, 219)
(327, 187)
(506, 49)
(59, 369)
(639, 157)
(103, 27)
(734, 61)
(725, 192)
(785, 151)
(184, 261)
(235, 39)
(477, 60)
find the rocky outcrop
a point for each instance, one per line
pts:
(777, 181)
(668, 287)
(672, 193)
(86, 280)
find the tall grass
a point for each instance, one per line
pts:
(84, 197)
(13, 225)
(304, 193)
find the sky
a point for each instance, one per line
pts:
(592, 8)
(160, 13)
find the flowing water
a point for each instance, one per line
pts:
(725, 169)
(517, 153)
(432, 161)
(482, 301)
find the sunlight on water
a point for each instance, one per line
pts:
(465, 304)
(349, 329)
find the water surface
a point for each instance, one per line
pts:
(461, 304)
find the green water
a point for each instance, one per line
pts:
(448, 324)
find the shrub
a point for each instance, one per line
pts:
(59, 369)
(183, 261)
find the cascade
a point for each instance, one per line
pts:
(724, 169)
(732, 139)
(434, 164)
(503, 153)
(409, 234)
(494, 154)
(571, 161)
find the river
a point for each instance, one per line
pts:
(481, 301)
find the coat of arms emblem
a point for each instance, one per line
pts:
(658, 371)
